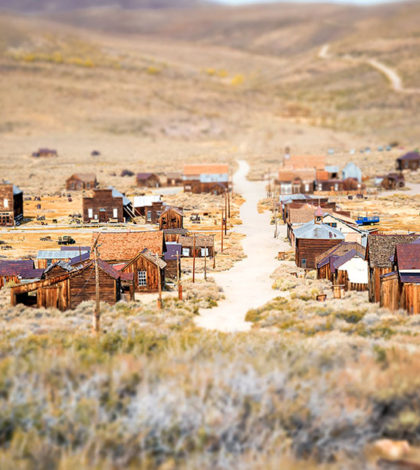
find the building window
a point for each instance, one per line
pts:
(115, 213)
(307, 187)
(142, 278)
(6, 203)
(149, 216)
(320, 186)
(204, 252)
(90, 213)
(185, 252)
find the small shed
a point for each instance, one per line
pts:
(171, 217)
(148, 270)
(409, 161)
(81, 181)
(351, 270)
(147, 180)
(324, 261)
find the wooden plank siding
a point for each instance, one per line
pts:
(308, 249)
(140, 263)
(389, 294)
(410, 298)
(374, 282)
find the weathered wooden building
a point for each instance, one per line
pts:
(16, 271)
(204, 246)
(148, 270)
(296, 181)
(174, 179)
(324, 260)
(81, 181)
(409, 161)
(107, 205)
(11, 205)
(46, 258)
(379, 253)
(206, 178)
(173, 260)
(171, 218)
(147, 180)
(313, 239)
(393, 181)
(147, 206)
(69, 289)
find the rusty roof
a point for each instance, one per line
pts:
(408, 256)
(86, 177)
(305, 161)
(124, 246)
(301, 214)
(206, 169)
(289, 175)
(381, 248)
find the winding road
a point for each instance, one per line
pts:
(247, 285)
(392, 75)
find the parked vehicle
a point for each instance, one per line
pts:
(66, 240)
(368, 220)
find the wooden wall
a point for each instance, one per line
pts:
(102, 199)
(389, 294)
(197, 187)
(309, 249)
(374, 283)
(76, 184)
(410, 298)
(152, 274)
(171, 219)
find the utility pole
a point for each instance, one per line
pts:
(275, 220)
(229, 198)
(205, 261)
(159, 302)
(178, 276)
(97, 314)
(193, 279)
(221, 247)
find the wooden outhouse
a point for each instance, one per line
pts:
(11, 205)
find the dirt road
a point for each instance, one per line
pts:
(247, 285)
(392, 75)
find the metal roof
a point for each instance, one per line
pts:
(144, 201)
(312, 230)
(116, 193)
(57, 254)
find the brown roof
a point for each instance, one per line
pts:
(86, 177)
(305, 161)
(340, 250)
(289, 175)
(381, 248)
(408, 256)
(322, 175)
(200, 241)
(192, 170)
(124, 246)
(302, 214)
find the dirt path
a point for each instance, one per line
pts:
(247, 285)
(392, 75)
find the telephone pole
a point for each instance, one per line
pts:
(205, 261)
(221, 247)
(97, 314)
(159, 302)
(193, 279)
(178, 276)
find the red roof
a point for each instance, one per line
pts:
(408, 256)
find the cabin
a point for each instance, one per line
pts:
(172, 258)
(174, 179)
(401, 287)
(107, 205)
(299, 200)
(46, 258)
(148, 271)
(204, 246)
(206, 178)
(409, 161)
(351, 170)
(379, 253)
(11, 205)
(17, 271)
(69, 289)
(45, 153)
(347, 226)
(312, 239)
(171, 218)
(148, 180)
(392, 181)
(299, 181)
(81, 181)
(122, 249)
(324, 261)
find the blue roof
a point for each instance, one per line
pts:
(331, 168)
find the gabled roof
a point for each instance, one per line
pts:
(408, 256)
(201, 241)
(153, 258)
(116, 193)
(305, 161)
(124, 246)
(410, 278)
(85, 177)
(303, 214)
(290, 175)
(174, 209)
(339, 250)
(207, 169)
(145, 176)
(13, 267)
(61, 264)
(410, 156)
(79, 258)
(338, 261)
(312, 230)
(145, 201)
(381, 247)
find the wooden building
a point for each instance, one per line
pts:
(123, 250)
(204, 246)
(46, 258)
(171, 218)
(11, 205)
(206, 178)
(379, 252)
(16, 271)
(148, 180)
(107, 205)
(324, 260)
(45, 153)
(393, 181)
(313, 239)
(173, 260)
(174, 179)
(147, 207)
(69, 289)
(409, 161)
(81, 181)
(351, 271)
(173, 234)
(148, 270)
(296, 181)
